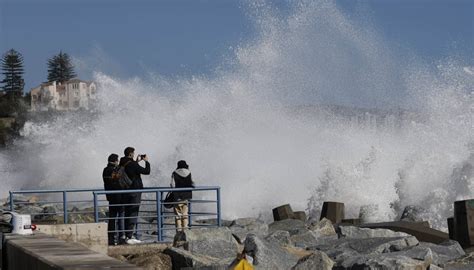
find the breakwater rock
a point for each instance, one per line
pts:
(294, 244)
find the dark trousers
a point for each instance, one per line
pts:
(131, 212)
(116, 222)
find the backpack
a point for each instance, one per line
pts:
(169, 200)
(121, 178)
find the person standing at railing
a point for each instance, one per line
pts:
(116, 211)
(134, 172)
(181, 178)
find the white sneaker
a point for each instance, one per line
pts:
(133, 241)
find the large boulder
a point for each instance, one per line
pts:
(316, 261)
(243, 226)
(268, 255)
(356, 232)
(323, 227)
(465, 262)
(281, 238)
(348, 250)
(214, 242)
(444, 252)
(304, 238)
(182, 259)
(290, 225)
(362, 248)
(384, 261)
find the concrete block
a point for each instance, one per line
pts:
(351, 221)
(66, 232)
(452, 235)
(301, 215)
(91, 235)
(464, 222)
(334, 211)
(417, 229)
(282, 212)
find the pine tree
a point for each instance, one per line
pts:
(12, 67)
(60, 68)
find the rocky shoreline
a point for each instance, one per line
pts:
(294, 244)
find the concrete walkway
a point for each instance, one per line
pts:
(43, 252)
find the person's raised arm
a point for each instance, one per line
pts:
(146, 170)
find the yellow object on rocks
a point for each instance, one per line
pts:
(243, 264)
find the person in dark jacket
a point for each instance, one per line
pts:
(181, 178)
(134, 172)
(116, 212)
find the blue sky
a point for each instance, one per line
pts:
(128, 38)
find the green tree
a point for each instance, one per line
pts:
(12, 69)
(60, 68)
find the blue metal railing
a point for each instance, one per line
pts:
(64, 202)
(158, 201)
(154, 201)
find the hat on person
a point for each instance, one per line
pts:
(182, 164)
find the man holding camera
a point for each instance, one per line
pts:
(134, 172)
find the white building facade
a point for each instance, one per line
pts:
(71, 95)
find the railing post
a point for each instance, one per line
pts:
(11, 200)
(190, 214)
(158, 216)
(65, 206)
(218, 191)
(96, 212)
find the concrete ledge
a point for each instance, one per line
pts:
(417, 229)
(91, 235)
(43, 252)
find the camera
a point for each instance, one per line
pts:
(142, 156)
